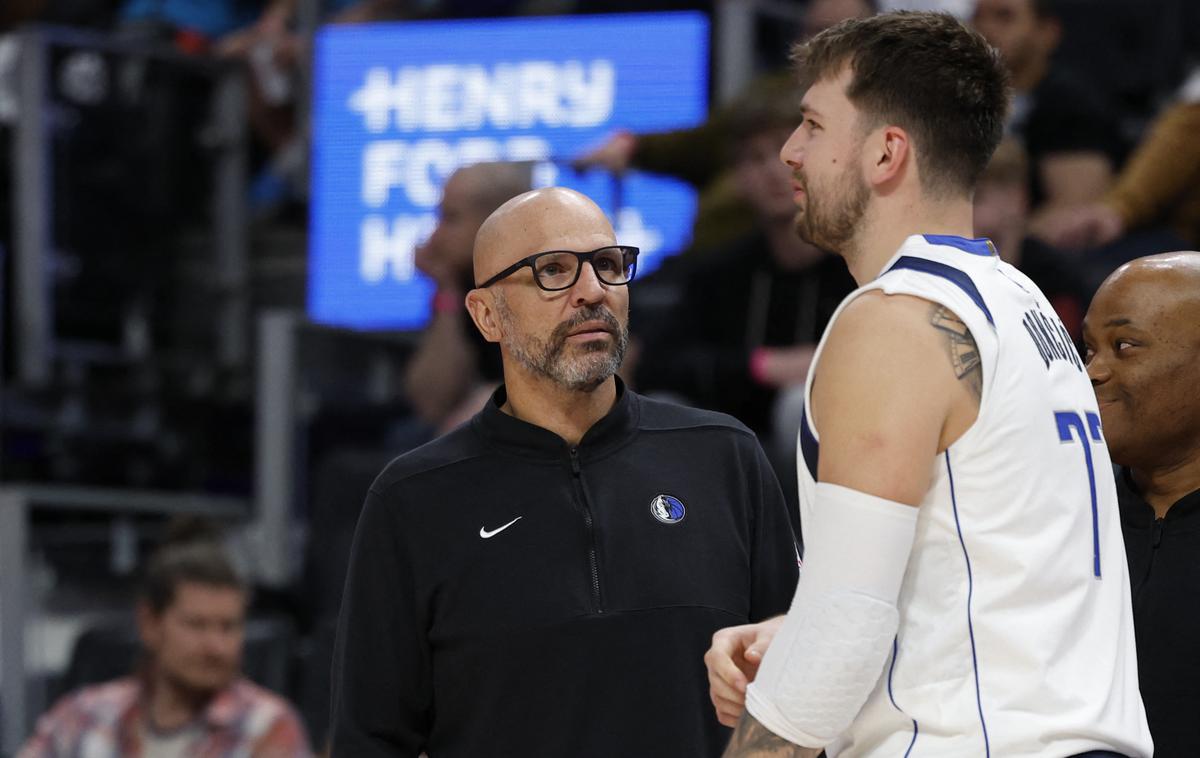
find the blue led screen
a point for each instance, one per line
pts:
(398, 107)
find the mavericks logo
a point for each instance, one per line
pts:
(667, 509)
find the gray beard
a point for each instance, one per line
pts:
(549, 358)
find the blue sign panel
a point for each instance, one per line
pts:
(398, 107)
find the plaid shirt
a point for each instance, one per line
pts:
(104, 721)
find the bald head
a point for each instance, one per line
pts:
(1143, 341)
(1164, 290)
(468, 196)
(489, 185)
(1178, 269)
(553, 218)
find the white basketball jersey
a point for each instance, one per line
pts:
(1016, 632)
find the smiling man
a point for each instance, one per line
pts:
(543, 580)
(1143, 355)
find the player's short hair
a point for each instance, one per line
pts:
(191, 553)
(926, 73)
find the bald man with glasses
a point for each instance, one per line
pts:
(544, 580)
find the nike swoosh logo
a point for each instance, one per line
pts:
(483, 532)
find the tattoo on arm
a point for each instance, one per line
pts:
(753, 740)
(964, 353)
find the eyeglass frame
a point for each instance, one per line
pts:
(583, 258)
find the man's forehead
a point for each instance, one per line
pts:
(1147, 297)
(564, 234)
(827, 94)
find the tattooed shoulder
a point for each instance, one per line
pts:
(961, 347)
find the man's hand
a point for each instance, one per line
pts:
(615, 154)
(732, 664)
(1080, 227)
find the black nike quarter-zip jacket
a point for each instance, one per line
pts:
(509, 595)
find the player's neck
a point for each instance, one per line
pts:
(1163, 486)
(886, 226)
(567, 412)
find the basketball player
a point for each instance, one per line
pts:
(964, 591)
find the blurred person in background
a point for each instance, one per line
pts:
(1002, 215)
(744, 329)
(701, 155)
(454, 369)
(1143, 357)
(1066, 127)
(188, 698)
(447, 380)
(274, 49)
(1160, 184)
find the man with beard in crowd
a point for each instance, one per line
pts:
(188, 697)
(541, 580)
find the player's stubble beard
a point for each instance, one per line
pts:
(831, 221)
(577, 367)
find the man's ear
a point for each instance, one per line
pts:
(482, 307)
(890, 155)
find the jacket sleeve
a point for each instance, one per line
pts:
(382, 694)
(674, 153)
(776, 557)
(1162, 169)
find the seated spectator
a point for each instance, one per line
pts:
(751, 312)
(1002, 215)
(1159, 185)
(454, 370)
(275, 49)
(1143, 356)
(1070, 134)
(188, 698)
(700, 155)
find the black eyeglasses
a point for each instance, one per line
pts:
(556, 270)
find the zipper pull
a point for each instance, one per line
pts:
(1158, 527)
(575, 460)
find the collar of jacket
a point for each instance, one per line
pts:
(1137, 513)
(513, 435)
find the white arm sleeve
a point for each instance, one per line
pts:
(830, 651)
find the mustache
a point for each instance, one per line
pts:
(585, 314)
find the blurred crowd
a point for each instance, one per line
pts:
(1100, 165)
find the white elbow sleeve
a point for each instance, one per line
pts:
(830, 651)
